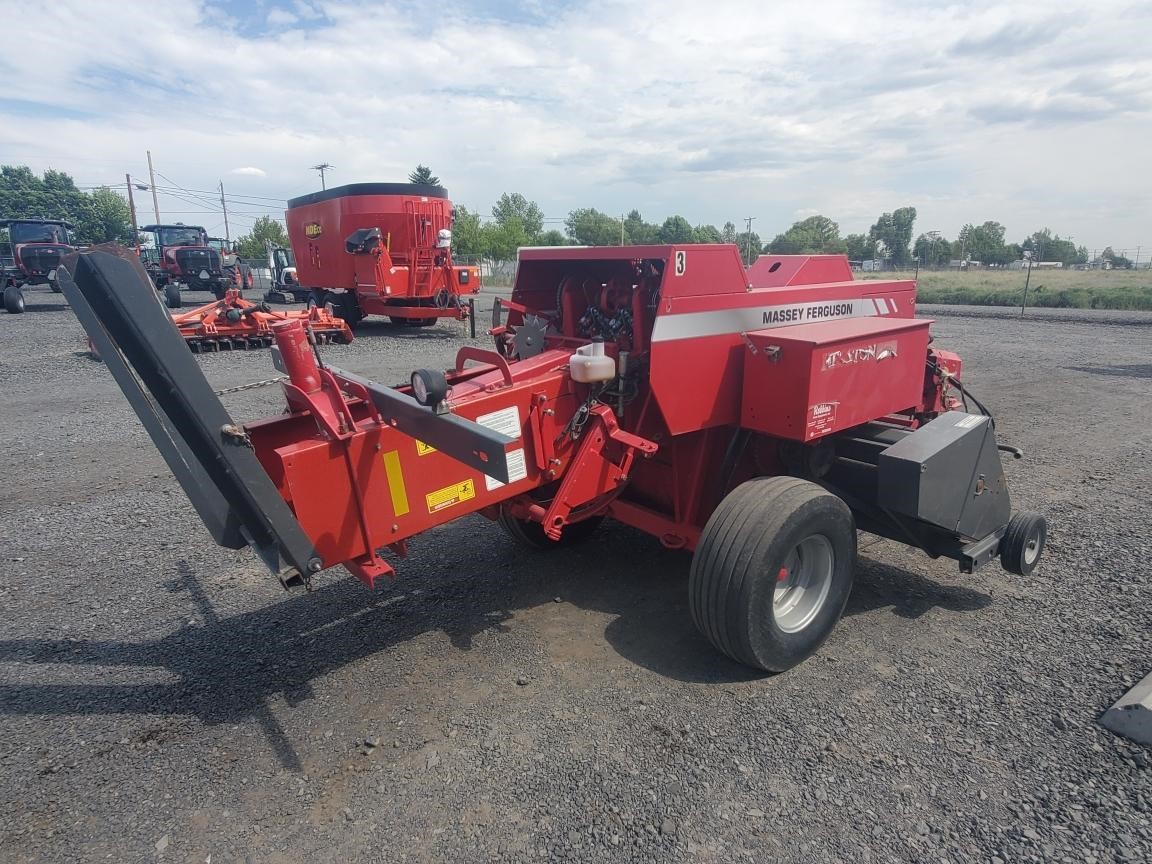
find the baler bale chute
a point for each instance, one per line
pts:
(755, 417)
(380, 249)
(235, 323)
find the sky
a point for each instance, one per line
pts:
(1032, 114)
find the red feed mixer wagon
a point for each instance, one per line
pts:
(757, 417)
(380, 249)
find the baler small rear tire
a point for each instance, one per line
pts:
(1023, 543)
(531, 534)
(55, 286)
(773, 571)
(172, 298)
(14, 300)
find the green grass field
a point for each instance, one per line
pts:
(1071, 289)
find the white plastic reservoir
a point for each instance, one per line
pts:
(589, 364)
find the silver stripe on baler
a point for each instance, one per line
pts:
(721, 322)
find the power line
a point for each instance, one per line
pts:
(213, 192)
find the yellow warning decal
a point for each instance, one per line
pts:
(396, 482)
(450, 495)
(423, 449)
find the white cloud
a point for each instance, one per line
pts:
(1011, 112)
(307, 10)
(278, 17)
(249, 171)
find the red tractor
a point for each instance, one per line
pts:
(380, 249)
(35, 247)
(234, 268)
(757, 418)
(181, 256)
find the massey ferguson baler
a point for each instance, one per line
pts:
(380, 249)
(756, 417)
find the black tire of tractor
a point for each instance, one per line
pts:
(348, 309)
(55, 286)
(1023, 543)
(531, 534)
(14, 299)
(218, 290)
(172, 298)
(743, 551)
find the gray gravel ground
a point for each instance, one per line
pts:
(163, 700)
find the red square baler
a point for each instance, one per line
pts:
(757, 417)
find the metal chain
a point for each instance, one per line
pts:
(251, 386)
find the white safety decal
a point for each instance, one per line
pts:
(693, 325)
(506, 422)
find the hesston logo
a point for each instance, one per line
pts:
(313, 230)
(853, 356)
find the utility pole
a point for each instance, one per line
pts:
(1027, 277)
(322, 167)
(1136, 263)
(132, 210)
(152, 180)
(224, 207)
(748, 220)
(622, 243)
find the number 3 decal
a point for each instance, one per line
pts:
(681, 262)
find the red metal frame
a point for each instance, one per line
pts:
(656, 449)
(234, 321)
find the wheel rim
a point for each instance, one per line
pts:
(1032, 550)
(803, 583)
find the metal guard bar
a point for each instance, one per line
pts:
(464, 440)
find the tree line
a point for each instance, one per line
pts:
(98, 216)
(517, 221)
(102, 215)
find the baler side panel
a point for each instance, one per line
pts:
(701, 338)
(778, 271)
(812, 380)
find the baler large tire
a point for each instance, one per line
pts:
(1023, 543)
(14, 299)
(531, 534)
(773, 571)
(172, 298)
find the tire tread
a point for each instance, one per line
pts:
(727, 563)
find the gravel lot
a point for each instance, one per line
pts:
(164, 700)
